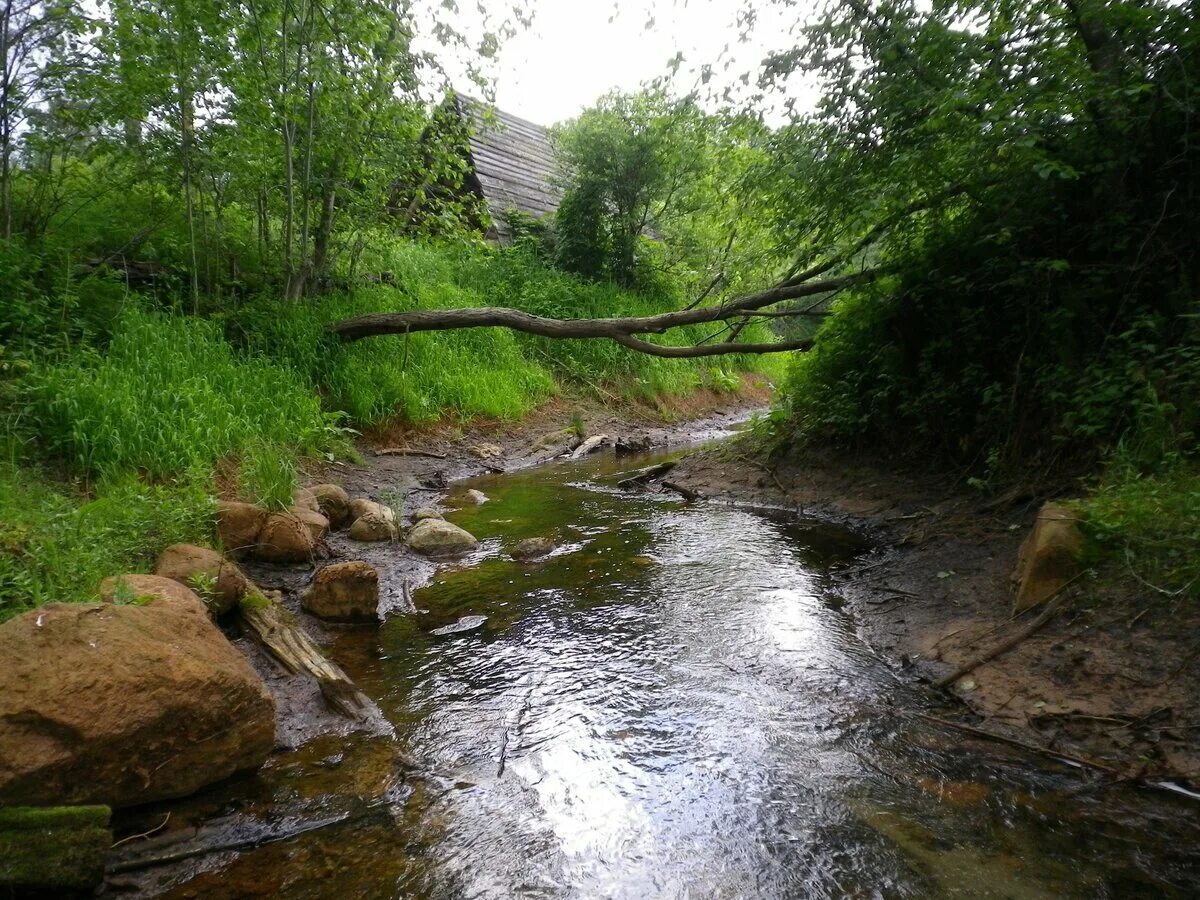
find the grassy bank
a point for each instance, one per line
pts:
(121, 416)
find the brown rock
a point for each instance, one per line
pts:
(238, 526)
(218, 582)
(436, 537)
(360, 506)
(373, 526)
(344, 592)
(334, 503)
(1049, 556)
(426, 512)
(532, 548)
(305, 499)
(284, 538)
(124, 705)
(141, 589)
(318, 525)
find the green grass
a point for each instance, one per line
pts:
(170, 395)
(57, 544)
(1150, 526)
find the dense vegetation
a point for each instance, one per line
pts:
(191, 192)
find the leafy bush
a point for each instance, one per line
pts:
(1150, 525)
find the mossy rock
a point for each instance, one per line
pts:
(61, 848)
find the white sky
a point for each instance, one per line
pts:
(573, 53)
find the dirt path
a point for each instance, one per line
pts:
(1113, 677)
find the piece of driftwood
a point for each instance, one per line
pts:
(404, 451)
(642, 477)
(278, 631)
(1085, 761)
(1053, 606)
(687, 494)
(591, 444)
(186, 847)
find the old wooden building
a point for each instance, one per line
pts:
(511, 166)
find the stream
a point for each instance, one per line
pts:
(673, 704)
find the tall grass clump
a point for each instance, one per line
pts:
(169, 395)
(57, 545)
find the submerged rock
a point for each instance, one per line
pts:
(466, 623)
(125, 704)
(477, 497)
(219, 582)
(346, 591)
(333, 502)
(1049, 556)
(532, 548)
(436, 537)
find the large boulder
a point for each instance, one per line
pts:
(238, 526)
(1049, 556)
(437, 537)
(124, 704)
(346, 592)
(317, 524)
(142, 589)
(333, 502)
(284, 538)
(219, 582)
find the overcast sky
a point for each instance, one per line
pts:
(578, 50)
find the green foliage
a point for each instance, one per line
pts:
(169, 395)
(1150, 526)
(267, 475)
(57, 545)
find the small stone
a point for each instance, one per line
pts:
(284, 538)
(334, 503)
(218, 582)
(344, 592)
(426, 512)
(532, 548)
(437, 537)
(305, 499)
(238, 525)
(317, 524)
(372, 527)
(477, 497)
(487, 451)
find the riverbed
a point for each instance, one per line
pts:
(674, 703)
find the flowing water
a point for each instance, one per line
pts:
(673, 704)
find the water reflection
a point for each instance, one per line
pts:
(672, 706)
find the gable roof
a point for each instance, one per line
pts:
(513, 163)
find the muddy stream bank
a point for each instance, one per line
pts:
(680, 700)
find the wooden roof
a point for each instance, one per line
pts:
(513, 161)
